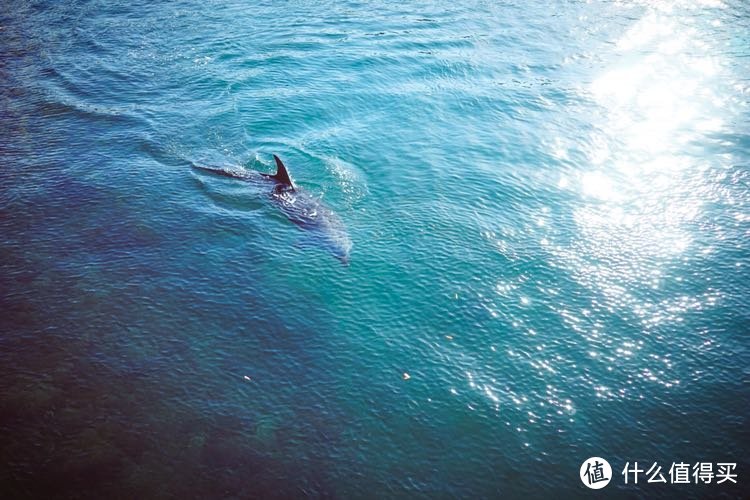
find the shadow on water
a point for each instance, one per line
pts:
(106, 389)
(139, 353)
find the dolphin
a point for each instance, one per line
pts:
(325, 228)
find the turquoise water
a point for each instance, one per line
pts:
(548, 206)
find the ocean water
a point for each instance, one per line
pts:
(548, 205)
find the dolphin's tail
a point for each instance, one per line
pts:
(281, 176)
(235, 174)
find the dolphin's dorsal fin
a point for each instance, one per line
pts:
(282, 176)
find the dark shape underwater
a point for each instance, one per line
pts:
(325, 228)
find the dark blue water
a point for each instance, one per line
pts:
(548, 206)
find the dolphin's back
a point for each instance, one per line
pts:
(305, 211)
(311, 214)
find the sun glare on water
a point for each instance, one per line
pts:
(640, 203)
(643, 190)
